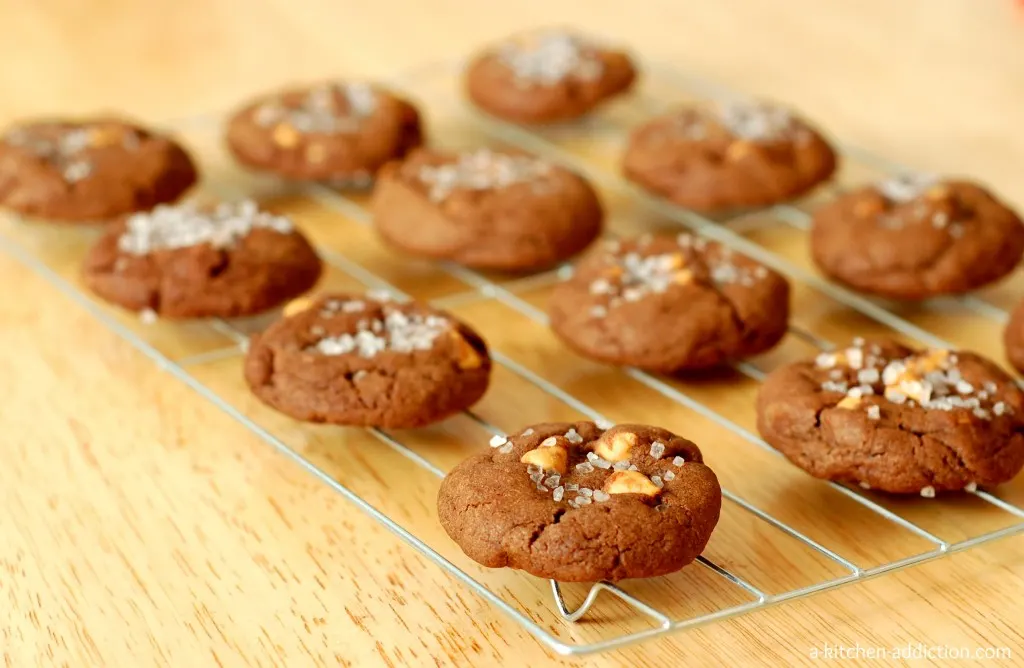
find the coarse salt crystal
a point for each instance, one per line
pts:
(669, 475)
(971, 487)
(505, 449)
(584, 467)
(656, 479)
(498, 440)
(928, 492)
(558, 493)
(573, 437)
(678, 461)
(657, 449)
(601, 495)
(868, 376)
(855, 358)
(549, 442)
(874, 413)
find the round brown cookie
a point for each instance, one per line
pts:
(728, 156)
(187, 262)
(669, 304)
(486, 209)
(1013, 338)
(90, 170)
(575, 503)
(547, 76)
(364, 361)
(896, 419)
(331, 132)
(916, 237)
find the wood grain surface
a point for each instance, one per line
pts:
(141, 525)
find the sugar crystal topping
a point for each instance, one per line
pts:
(757, 121)
(632, 275)
(65, 147)
(931, 379)
(397, 332)
(168, 227)
(550, 57)
(905, 187)
(481, 170)
(319, 111)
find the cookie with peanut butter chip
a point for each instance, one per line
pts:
(547, 76)
(899, 420)
(367, 361)
(90, 170)
(914, 237)
(186, 261)
(336, 131)
(487, 209)
(670, 304)
(578, 503)
(728, 156)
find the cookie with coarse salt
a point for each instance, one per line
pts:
(486, 208)
(578, 502)
(336, 131)
(917, 236)
(892, 418)
(728, 156)
(90, 170)
(364, 360)
(669, 303)
(189, 261)
(546, 76)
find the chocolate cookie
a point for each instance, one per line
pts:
(896, 419)
(1013, 338)
(669, 304)
(368, 362)
(330, 132)
(486, 209)
(547, 76)
(90, 170)
(576, 503)
(917, 237)
(187, 262)
(728, 156)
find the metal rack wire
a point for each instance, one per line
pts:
(508, 294)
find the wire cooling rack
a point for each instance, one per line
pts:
(783, 535)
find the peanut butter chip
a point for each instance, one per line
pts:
(467, 356)
(316, 153)
(738, 150)
(683, 277)
(548, 459)
(616, 447)
(103, 136)
(630, 482)
(296, 306)
(285, 135)
(848, 403)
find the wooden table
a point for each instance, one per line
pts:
(141, 526)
